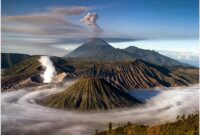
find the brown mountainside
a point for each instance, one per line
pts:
(141, 74)
(91, 94)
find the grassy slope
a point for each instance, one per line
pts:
(19, 72)
(183, 126)
(28, 66)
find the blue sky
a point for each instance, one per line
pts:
(169, 25)
(129, 18)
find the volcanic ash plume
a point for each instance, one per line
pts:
(91, 20)
(49, 69)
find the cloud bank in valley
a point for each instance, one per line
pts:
(20, 113)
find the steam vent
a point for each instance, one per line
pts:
(91, 93)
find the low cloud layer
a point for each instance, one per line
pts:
(20, 114)
(191, 58)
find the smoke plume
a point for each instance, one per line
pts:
(49, 69)
(91, 20)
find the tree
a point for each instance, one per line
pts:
(96, 132)
(110, 126)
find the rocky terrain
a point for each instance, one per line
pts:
(140, 74)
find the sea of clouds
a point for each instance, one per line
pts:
(21, 114)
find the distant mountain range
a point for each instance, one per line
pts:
(98, 49)
(90, 93)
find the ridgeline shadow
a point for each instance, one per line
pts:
(144, 95)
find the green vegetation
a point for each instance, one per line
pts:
(183, 126)
(19, 72)
(27, 66)
(90, 93)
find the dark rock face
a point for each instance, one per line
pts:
(91, 94)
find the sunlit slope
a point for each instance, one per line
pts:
(141, 74)
(91, 94)
(183, 126)
(28, 68)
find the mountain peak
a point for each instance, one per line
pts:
(96, 41)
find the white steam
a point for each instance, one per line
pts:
(49, 69)
(91, 20)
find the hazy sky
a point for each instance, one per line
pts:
(170, 25)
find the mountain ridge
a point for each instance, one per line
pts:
(139, 74)
(98, 49)
(152, 56)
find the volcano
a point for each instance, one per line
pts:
(90, 93)
(98, 49)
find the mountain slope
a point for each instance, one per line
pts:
(91, 94)
(152, 56)
(183, 126)
(10, 59)
(141, 74)
(98, 49)
(30, 68)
